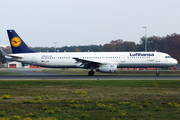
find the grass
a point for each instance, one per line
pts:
(90, 99)
(9, 73)
(119, 72)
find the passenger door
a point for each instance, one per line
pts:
(123, 58)
(34, 60)
(157, 59)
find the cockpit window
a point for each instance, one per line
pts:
(168, 57)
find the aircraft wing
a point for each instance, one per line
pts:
(87, 63)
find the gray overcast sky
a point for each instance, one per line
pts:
(85, 22)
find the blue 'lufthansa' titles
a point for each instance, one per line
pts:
(141, 54)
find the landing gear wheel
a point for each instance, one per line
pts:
(91, 73)
(157, 74)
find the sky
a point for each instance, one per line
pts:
(40, 23)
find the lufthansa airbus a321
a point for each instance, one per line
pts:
(107, 62)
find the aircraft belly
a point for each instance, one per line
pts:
(58, 64)
(142, 65)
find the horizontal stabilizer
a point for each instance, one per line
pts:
(13, 56)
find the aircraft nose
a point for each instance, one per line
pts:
(175, 61)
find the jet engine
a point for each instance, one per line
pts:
(107, 68)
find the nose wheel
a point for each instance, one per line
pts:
(157, 73)
(91, 73)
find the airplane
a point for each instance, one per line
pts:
(107, 62)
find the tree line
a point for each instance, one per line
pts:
(169, 44)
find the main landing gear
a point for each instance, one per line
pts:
(91, 73)
(157, 73)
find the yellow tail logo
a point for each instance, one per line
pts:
(15, 41)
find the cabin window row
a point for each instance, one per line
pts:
(95, 57)
(100, 57)
(55, 57)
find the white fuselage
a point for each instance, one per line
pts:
(121, 59)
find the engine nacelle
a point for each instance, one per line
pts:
(107, 68)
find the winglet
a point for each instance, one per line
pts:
(17, 44)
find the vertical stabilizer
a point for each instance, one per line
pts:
(17, 44)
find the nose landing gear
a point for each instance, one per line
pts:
(157, 73)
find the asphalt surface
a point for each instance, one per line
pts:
(85, 77)
(30, 74)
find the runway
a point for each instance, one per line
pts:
(29, 74)
(85, 77)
